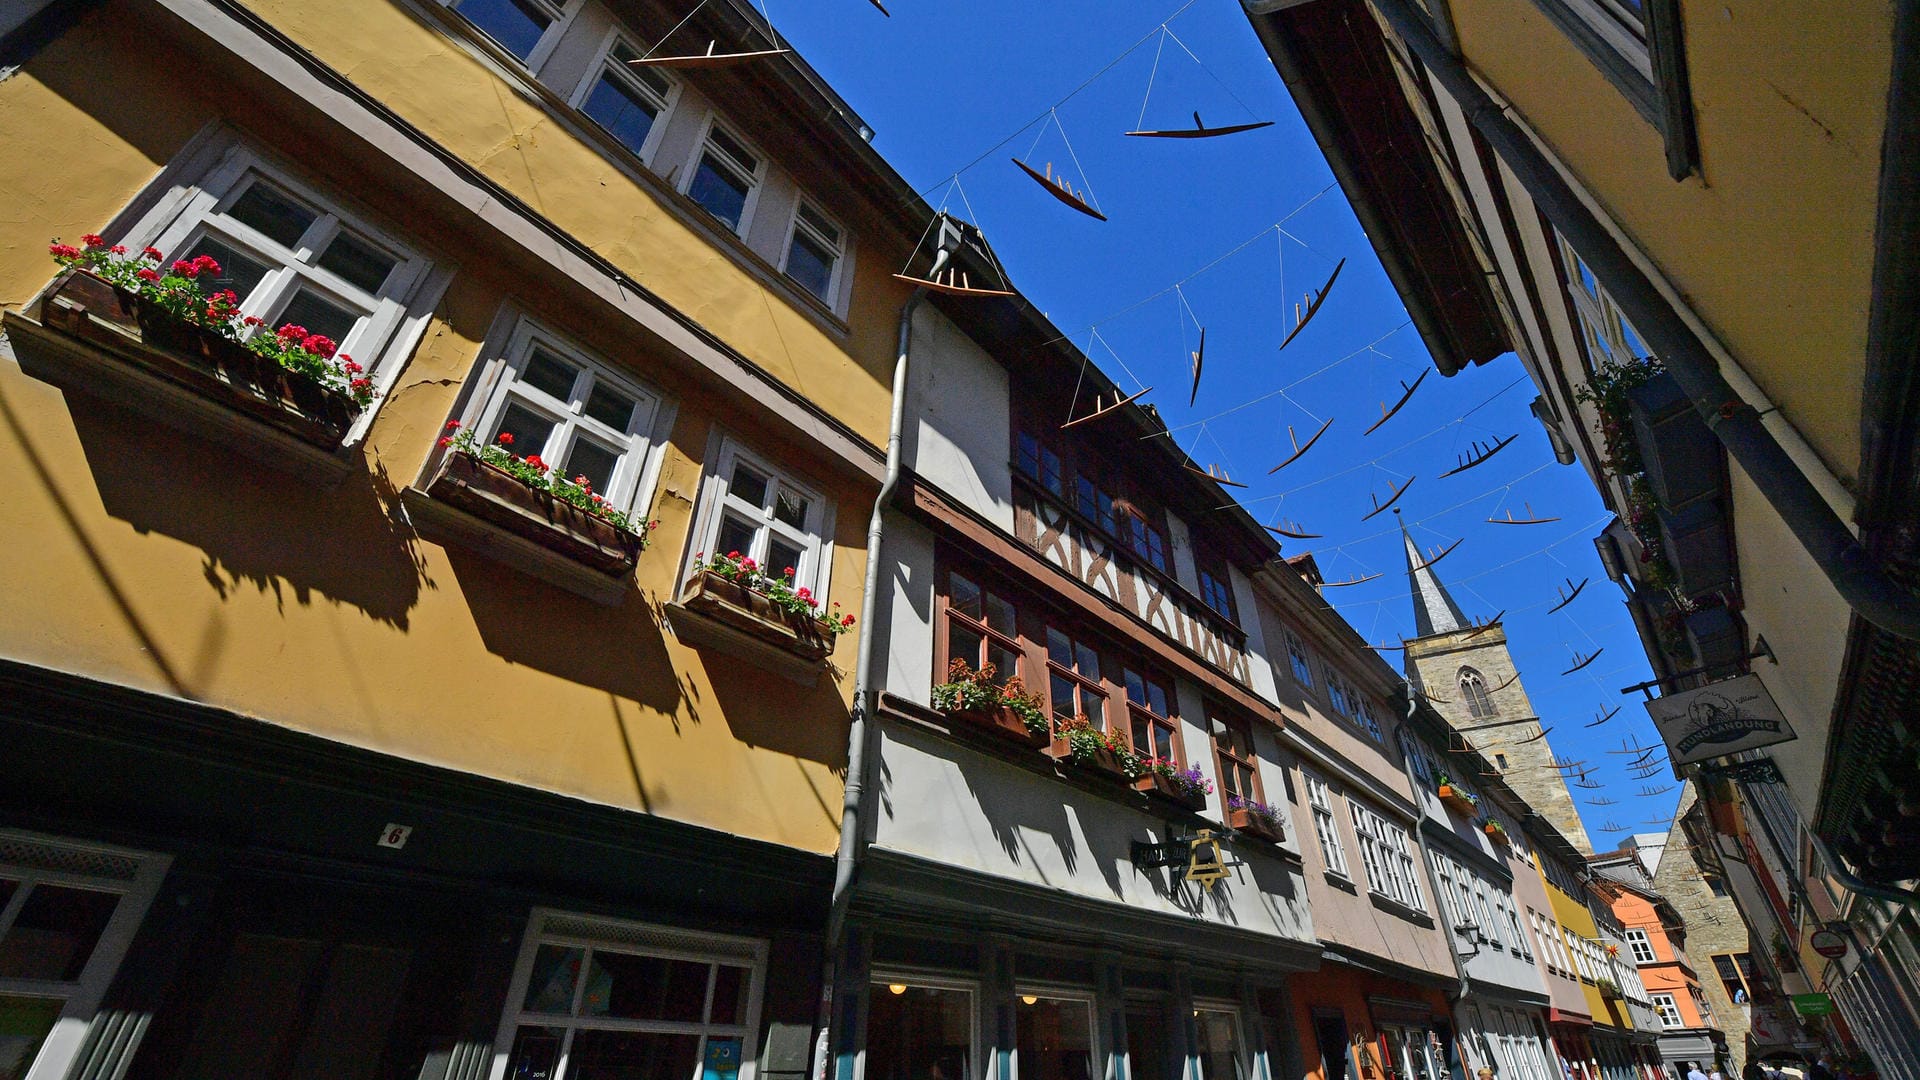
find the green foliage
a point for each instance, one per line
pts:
(540, 476)
(967, 690)
(780, 590)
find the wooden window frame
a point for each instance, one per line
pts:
(1125, 502)
(945, 615)
(1646, 63)
(1142, 712)
(1221, 721)
(1082, 685)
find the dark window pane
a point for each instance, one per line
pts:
(1163, 741)
(7, 889)
(529, 429)
(1059, 648)
(749, 486)
(593, 461)
(962, 644)
(516, 24)
(24, 1024)
(1086, 661)
(781, 555)
(643, 988)
(810, 263)
(1141, 731)
(623, 57)
(1095, 707)
(1157, 699)
(790, 508)
(363, 265)
(610, 407)
(238, 272)
(1027, 455)
(535, 1054)
(1000, 614)
(1005, 661)
(963, 596)
(919, 1033)
(1054, 1038)
(549, 374)
(735, 535)
(624, 111)
(624, 1055)
(732, 148)
(1136, 687)
(280, 218)
(319, 316)
(55, 932)
(555, 970)
(730, 986)
(720, 190)
(1062, 688)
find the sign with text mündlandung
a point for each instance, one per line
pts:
(1719, 718)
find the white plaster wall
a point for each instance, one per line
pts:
(958, 434)
(903, 616)
(1260, 670)
(1496, 964)
(1185, 569)
(942, 801)
(1197, 741)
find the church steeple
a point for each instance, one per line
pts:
(1434, 611)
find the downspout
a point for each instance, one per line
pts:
(865, 694)
(1848, 567)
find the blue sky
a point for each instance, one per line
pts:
(1244, 225)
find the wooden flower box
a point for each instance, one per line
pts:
(1457, 800)
(1002, 722)
(501, 499)
(713, 612)
(1161, 787)
(1105, 761)
(1497, 834)
(1246, 821)
(1684, 460)
(141, 335)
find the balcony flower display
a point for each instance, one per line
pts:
(1008, 708)
(1497, 832)
(1607, 391)
(1607, 987)
(1083, 744)
(1455, 796)
(540, 476)
(1256, 818)
(1188, 787)
(778, 590)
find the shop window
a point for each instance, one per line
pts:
(725, 179)
(767, 515)
(982, 628)
(918, 1031)
(1149, 1050)
(1642, 946)
(629, 102)
(1235, 758)
(1053, 1036)
(518, 26)
(576, 414)
(1218, 1048)
(293, 256)
(1152, 726)
(1320, 800)
(596, 998)
(1073, 680)
(815, 249)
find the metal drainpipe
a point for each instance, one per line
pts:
(865, 696)
(1848, 567)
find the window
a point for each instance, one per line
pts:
(1443, 872)
(1387, 852)
(1636, 45)
(1095, 492)
(1073, 680)
(1364, 715)
(981, 629)
(628, 101)
(1140, 535)
(1736, 975)
(917, 1030)
(518, 26)
(1473, 689)
(291, 256)
(1517, 937)
(1151, 726)
(1419, 760)
(1234, 754)
(1669, 1010)
(1500, 762)
(1298, 657)
(1337, 694)
(1320, 800)
(815, 248)
(594, 997)
(1053, 1036)
(1041, 464)
(725, 179)
(1218, 1049)
(767, 516)
(1216, 588)
(1642, 946)
(575, 414)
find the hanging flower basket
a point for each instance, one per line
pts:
(502, 499)
(1255, 819)
(1497, 833)
(139, 333)
(1187, 788)
(1458, 799)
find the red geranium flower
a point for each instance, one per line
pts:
(118, 249)
(506, 438)
(152, 253)
(93, 240)
(206, 264)
(534, 460)
(63, 251)
(289, 331)
(147, 273)
(184, 268)
(446, 441)
(453, 425)
(321, 344)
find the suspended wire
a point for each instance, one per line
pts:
(1141, 122)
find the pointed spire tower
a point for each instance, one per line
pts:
(1471, 679)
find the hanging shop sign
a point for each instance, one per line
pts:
(1828, 944)
(1718, 719)
(1813, 1004)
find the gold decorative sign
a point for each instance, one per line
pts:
(1204, 863)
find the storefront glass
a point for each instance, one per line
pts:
(917, 1032)
(1219, 1044)
(1054, 1037)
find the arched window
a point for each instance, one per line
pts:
(1474, 689)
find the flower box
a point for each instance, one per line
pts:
(1002, 722)
(1162, 786)
(1457, 799)
(1697, 541)
(1103, 760)
(1244, 820)
(142, 336)
(1682, 457)
(747, 612)
(1608, 988)
(1497, 833)
(502, 500)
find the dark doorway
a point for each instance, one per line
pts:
(1330, 1032)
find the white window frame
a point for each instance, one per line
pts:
(1521, 947)
(1242, 1052)
(642, 446)
(1320, 804)
(759, 176)
(1096, 1049)
(843, 251)
(716, 498)
(667, 942)
(1337, 695)
(1363, 716)
(1300, 660)
(603, 63)
(912, 977)
(1640, 943)
(1669, 1010)
(1383, 849)
(562, 12)
(393, 316)
(82, 996)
